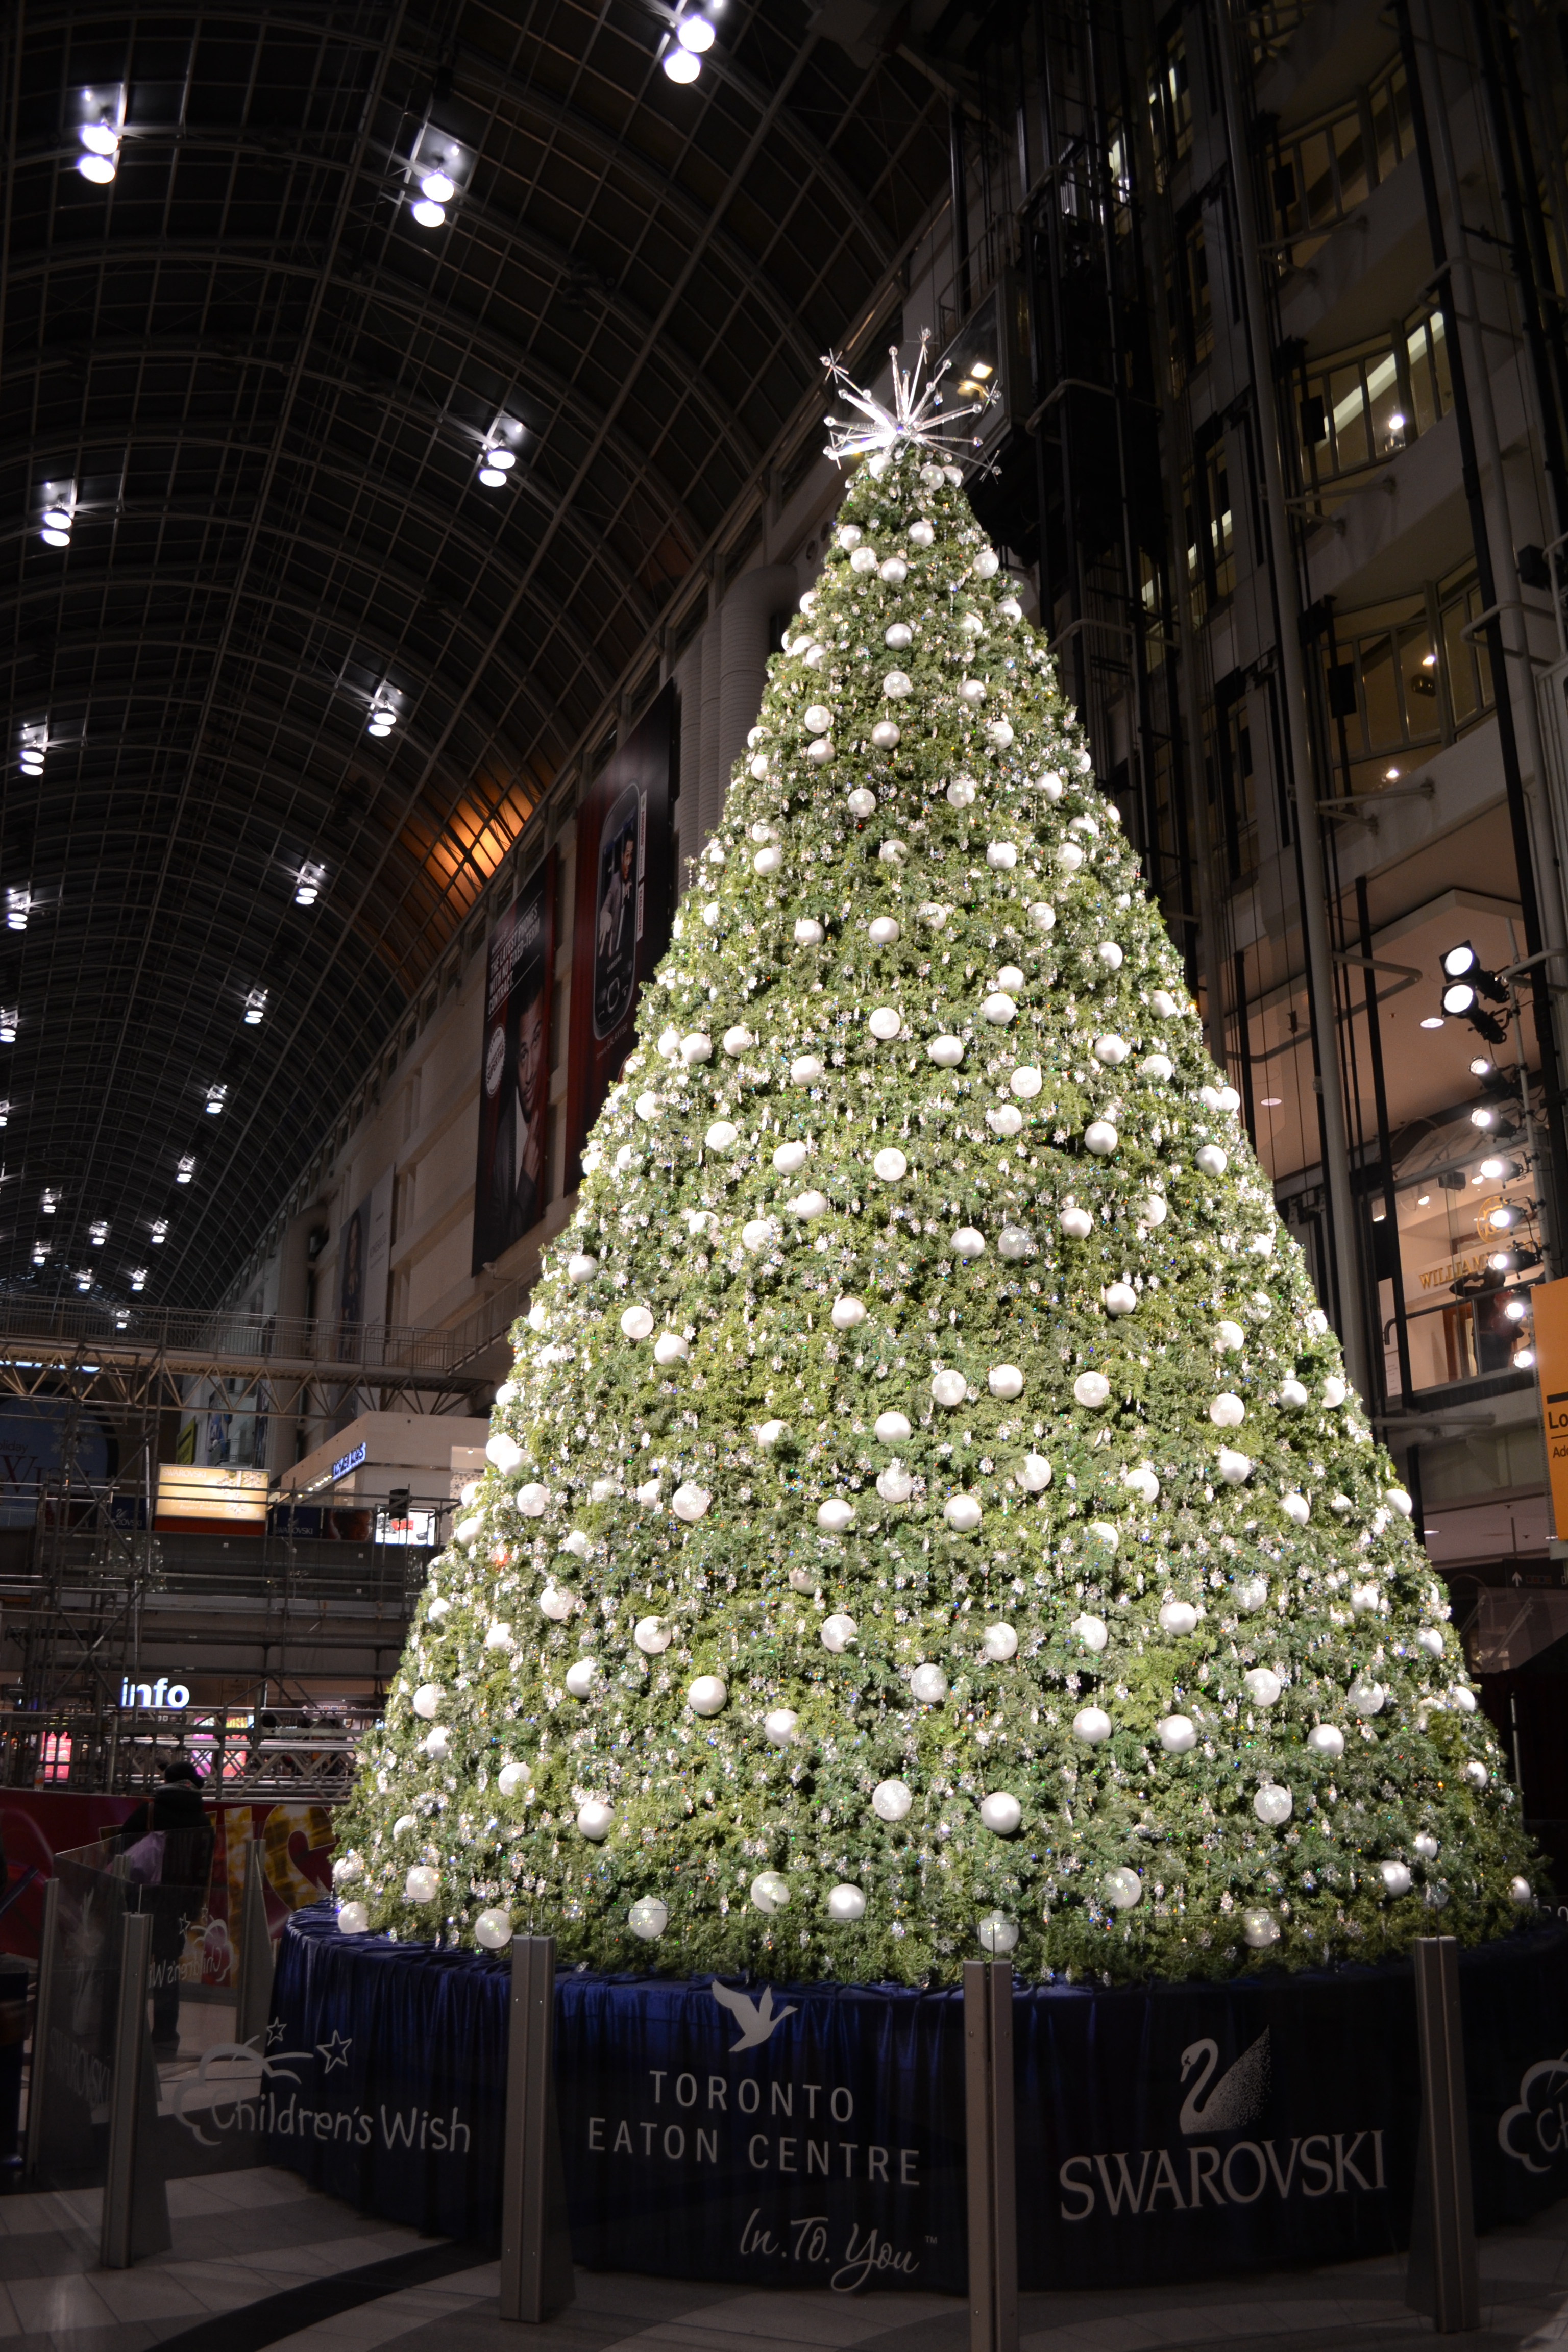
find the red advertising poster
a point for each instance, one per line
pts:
(511, 1181)
(622, 919)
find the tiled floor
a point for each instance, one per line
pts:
(259, 2261)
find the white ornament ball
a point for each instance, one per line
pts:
(1076, 1223)
(1399, 1500)
(1463, 1699)
(737, 1042)
(770, 1891)
(895, 685)
(884, 931)
(556, 1603)
(1178, 1735)
(690, 1502)
(1273, 1805)
(1034, 1473)
(848, 1313)
(1292, 1395)
(648, 1918)
(670, 1348)
(1157, 1066)
(894, 1484)
(1001, 1813)
(890, 1165)
(999, 1008)
(1121, 1298)
(636, 1322)
(987, 563)
(652, 1636)
(891, 1428)
(895, 570)
(891, 1800)
(426, 1701)
(770, 1432)
(837, 1632)
(1430, 1639)
(498, 1636)
(1327, 1740)
(345, 1871)
(1211, 1159)
(1519, 1891)
(818, 753)
(790, 1158)
(1000, 855)
(1263, 1685)
(533, 1500)
(1111, 1050)
(707, 1695)
(1004, 1380)
(885, 735)
(422, 1885)
(810, 1204)
(805, 1070)
(580, 1678)
(1364, 1697)
(1178, 1616)
(950, 1388)
(999, 1642)
(1476, 1773)
(779, 1725)
(1396, 1876)
(723, 1135)
(1101, 1138)
(1092, 1632)
(1016, 1242)
(437, 1744)
(354, 1919)
(511, 1778)
(1226, 1411)
(997, 1932)
(968, 1243)
(1296, 1508)
(808, 932)
(961, 793)
(1123, 1888)
(928, 1684)
(1259, 1929)
(1234, 1468)
(846, 1903)
(1091, 1389)
(1334, 1391)
(862, 803)
(1027, 1082)
(962, 1514)
(1426, 1845)
(1091, 1724)
(835, 1516)
(947, 1053)
(898, 636)
(1004, 1119)
(596, 1819)
(885, 1022)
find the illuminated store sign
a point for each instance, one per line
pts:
(349, 1462)
(161, 1694)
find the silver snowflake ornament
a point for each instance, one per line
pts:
(916, 420)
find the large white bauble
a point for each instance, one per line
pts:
(1004, 1119)
(770, 1432)
(1091, 1724)
(498, 1636)
(1111, 1050)
(891, 1428)
(1070, 857)
(1259, 1929)
(770, 1891)
(1076, 1223)
(1110, 955)
(1396, 1876)
(504, 1451)
(648, 1918)
(690, 1502)
(1178, 1616)
(1178, 1735)
(670, 1348)
(999, 1008)
(1229, 1335)
(891, 1800)
(1092, 1390)
(722, 1135)
(780, 1725)
(946, 1052)
(921, 533)
(1334, 1391)
(928, 1684)
(1365, 1696)
(898, 637)
(895, 570)
(818, 753)
(1292, 1395)
(835, 1516)
(652, 1636)
(1142, 1482)
(345, 1871)
(556, 1603)
(511, 1778)
(581, 1677)
(890, 1165)
(1043, 916)
(1399, 1500)
(437, 1743)
(1004, 1380)
(1235, 1468)
(961, 793)
(1251, 1594)
(1000, 1813)
(533, 1500)
(837, 1632)
(426, 1701)
(1092, 1632)
(1430, 1639)
(1002, 856)
(596, 1819)
(1211, 1159)
(999, 1642)
(895, 685)
(354, 1919)
(1327, 1740)
(1033, 1474)
(1026, 1081)
(885, 1022)
(848, 1313)
(885, 736)
(810, 1204)
(1476, 1773)
(846, 1902)
(894, 1484)
(790, 1158)
(950, 1388)
(423, 1884)
(805, 1070)
(1263, 1685)
(862, 803)
(997, 1932)
(636, 1322)
(1123, 1887)
(1014, 1241)
(1366, 1600)
(696, 1046)
(883, 932)
(1163, 1004)
(1226, 1411)
(440, 1607)
(818, 719)
(962, 1514)
(1157, 1066)
(1121, 1298)
(1426, 1845)
(808, 932)
(972, 692)
(707, 1695)
(1296, 1508)
(578, 1544)
(986, 564)
(737, 1042)
(1519, 1891)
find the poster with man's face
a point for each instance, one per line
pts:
(511, 1182)
(622, 917)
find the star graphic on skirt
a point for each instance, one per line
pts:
(335, 2050)
(277, 2031)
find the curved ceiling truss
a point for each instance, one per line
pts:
(268, 391)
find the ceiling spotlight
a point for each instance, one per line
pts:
(308, 884)
(428, 215)
(1481, 1116)
(1480, 1068)
(100, 169)
(5, 1114)
(83, 1278)
(160, 1231)
(122, 1319)
(1524, 1358)
(1433, 1021)
(1500, 1220)
(1495, 1169)
(682, 64)
(439, 186)
(18, 906)
(1515, 1310)
(9, 1020)
(1502, 1261)
(40, 1252)
(58, 514)
(51, 1202)
(99, 114)
(439, 168)
(186, 1169)
(1458, 961)
(216, 1097)
(98, 1233)
(492, 477)
(256, 1008)
(138, 1278)
(695, 33)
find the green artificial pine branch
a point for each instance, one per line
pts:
(927, 1511)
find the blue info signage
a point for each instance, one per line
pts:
(813, 2135)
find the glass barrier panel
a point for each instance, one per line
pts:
(74, 2073)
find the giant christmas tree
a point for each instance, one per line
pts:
(928, 1513)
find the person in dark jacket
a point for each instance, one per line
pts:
(180, 1893)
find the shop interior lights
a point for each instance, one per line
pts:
(138, 1278)
(439, 171)
(217, 1096)
(694, 37)
(100, 115)
(308, 884)
(256, 1008)
(160, 1231)
(186, 1169)
(98, 1232)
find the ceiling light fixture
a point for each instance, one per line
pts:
(160, 1231)
(186, 1169)
(50, 1202)
(1500, 1220)
(83, 1278)
(256, 1008)
(18, 906)
(216, 1098)
(1466, 981)
(1424, 1200)
(40, 1252)
(1480, 1068)
(308, 884)
(138, 1278)
(1524, 1359)
(5, 1114)
(439, 171)
(100, 117)
(57, 516)
(1433, 1021)
(98, 1233)
(384, 711)
(9, 1016)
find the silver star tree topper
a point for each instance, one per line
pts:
(913, 422)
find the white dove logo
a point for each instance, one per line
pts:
(755, 2018)
(1240, 2094)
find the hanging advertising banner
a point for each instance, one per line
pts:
(621, 916)
(511, 1181)
(1549, 1323)
(351, 1281)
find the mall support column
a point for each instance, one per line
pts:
(535, 2246)
(990, 2160)
(1443, 2278)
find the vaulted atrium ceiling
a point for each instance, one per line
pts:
(261, 392)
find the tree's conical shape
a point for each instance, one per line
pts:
(928, 1512)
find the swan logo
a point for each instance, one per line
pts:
(758, 2019)
(1206, 2173)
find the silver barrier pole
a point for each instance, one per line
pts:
(535, 2247)
(990, 2160)
(253, 2000)
(135, 2202)
(43, 2007)
(1443, 2280)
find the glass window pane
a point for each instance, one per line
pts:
(1418, 673)
(1380, 693)
(1317, 179)
(1350, 155)
(1347, 416)
(1458, 664)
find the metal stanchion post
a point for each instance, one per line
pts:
(1443, 2280)
(253, 2001)
(535, 2247)
(135, 2202)
(48, 1949)
(992, 2168)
